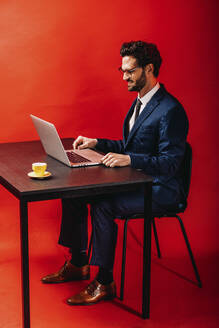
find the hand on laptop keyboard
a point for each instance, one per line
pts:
(84, 142)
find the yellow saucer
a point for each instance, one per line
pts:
(34, 176)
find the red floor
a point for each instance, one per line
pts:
(175, 300)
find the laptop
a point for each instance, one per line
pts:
(53, 146)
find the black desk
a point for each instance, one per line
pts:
(16, 160)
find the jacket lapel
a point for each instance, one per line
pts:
(149, 108)
(126, 121)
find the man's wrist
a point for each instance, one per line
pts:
(129, 160)
(95, 142)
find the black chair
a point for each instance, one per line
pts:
(185, 173)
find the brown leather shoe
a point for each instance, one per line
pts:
(95, 292)
(68, 272)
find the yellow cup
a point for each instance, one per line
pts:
(39, 169)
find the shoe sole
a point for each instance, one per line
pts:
(63, 281)
(107, 298)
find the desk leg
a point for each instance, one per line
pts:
(147, 251)
(25, 263)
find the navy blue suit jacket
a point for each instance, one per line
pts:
(156, 144)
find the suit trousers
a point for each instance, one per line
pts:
(104, 211)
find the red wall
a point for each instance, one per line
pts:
(59, 59)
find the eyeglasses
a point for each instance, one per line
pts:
(128, 71)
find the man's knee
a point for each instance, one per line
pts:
(102, 206)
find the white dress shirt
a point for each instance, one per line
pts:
(144, 100)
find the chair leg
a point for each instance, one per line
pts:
(90, 246)
(190, 251)
(156, 238)
(123, 260)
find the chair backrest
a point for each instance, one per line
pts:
(186, 169)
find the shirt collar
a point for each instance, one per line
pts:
(147, 97)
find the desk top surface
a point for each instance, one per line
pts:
(16, 160)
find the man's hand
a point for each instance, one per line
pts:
(84, 142)
(113, 159)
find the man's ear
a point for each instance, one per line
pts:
(149, 68)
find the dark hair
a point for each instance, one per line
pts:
(145, 53)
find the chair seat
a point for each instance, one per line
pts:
(171, 212)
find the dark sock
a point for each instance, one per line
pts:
(79, 258)
(105, 276)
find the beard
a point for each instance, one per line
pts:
(138, 84)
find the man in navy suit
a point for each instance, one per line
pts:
(154, 137)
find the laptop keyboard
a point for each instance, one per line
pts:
(75, 158)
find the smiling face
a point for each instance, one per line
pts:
(140, 79)
(133, 74)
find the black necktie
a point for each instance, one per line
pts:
(136, 113)
(137, 109)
